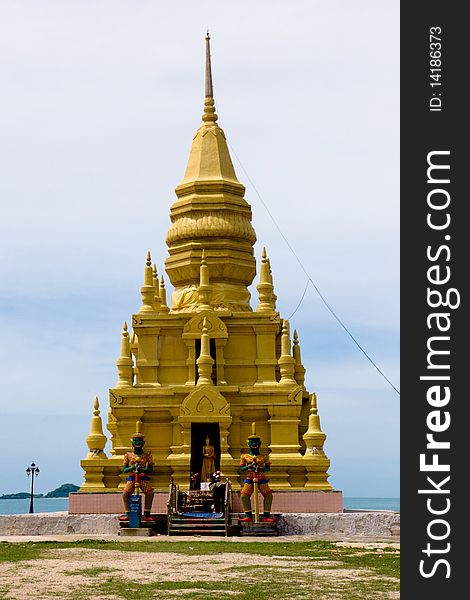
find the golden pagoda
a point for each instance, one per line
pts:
(208, 363)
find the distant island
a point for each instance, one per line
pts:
(61, 492)
(19, 496)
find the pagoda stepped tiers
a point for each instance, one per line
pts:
(208, 363)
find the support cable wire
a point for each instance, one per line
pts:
(309, 279)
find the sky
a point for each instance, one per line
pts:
(99, 102)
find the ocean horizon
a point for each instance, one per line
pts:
(45, 505)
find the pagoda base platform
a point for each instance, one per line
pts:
(284, 501)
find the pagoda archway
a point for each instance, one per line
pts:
(206, 408)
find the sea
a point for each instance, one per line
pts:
(46, 505)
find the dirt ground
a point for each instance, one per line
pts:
(71, 572)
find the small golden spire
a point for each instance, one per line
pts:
(205, 360)
(209, 115)
(314, 437)
(148, 276)
(155, 276)
(208, 82)
(265, 286)
(264, 273)
(156, 286)
(286, 361)
(96, 440)
(204, 271)
(147, 290)
(271, 281)
(125, 363)
(299, 374)
(164, 307)
(204, 290)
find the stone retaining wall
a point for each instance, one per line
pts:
(327, 525)
(352, 524)
(59, 523)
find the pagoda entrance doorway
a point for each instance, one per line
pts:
(199, 433)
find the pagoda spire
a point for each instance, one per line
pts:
(273, 295)
(299, 374)
(156, 285)
(265, 286)
(314, 437)
(163, 304)
(125, 363)
(204, 289)
(209, 90)
(211, 213)
(286, 362)
(205, 360)
(209, 115)
(147, 290)
(96, 440)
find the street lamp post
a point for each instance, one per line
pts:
(32, 470)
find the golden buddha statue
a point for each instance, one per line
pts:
(208, 461)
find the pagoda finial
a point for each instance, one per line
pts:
(209, 90)
(265, 286)
(205, 360)
(156, 286)
(163, 307)
(286, 362)
(147, 290)
(271, 281)
(299, 374)
(125, 363)
(96, 440)
(204, 290)
(209, 115)
(314, 437)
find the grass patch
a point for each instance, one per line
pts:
(10, 552)
(91, 572)
(386, 564)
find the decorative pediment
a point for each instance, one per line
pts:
(216, 328)
(205, 404)
(296, 395)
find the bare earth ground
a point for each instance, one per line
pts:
(73, 573)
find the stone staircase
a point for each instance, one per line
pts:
(192, 525)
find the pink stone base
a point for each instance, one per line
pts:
(299, 501)
(284, 501)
